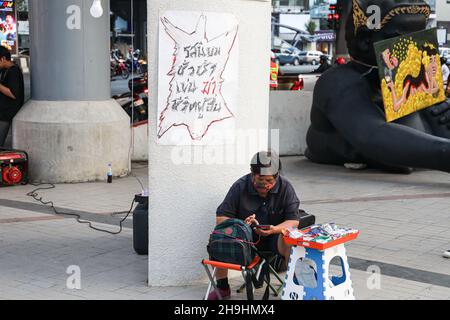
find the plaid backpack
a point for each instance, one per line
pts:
(232, 242)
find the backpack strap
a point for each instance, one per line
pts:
(237, 239)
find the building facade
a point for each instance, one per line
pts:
(129, 24)
(290, 6)
(443, 17)
(296, 15)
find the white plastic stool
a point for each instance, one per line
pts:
(334, 288)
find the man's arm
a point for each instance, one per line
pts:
(221, 219)
(288, 224)
(249, 220)
(7, 92)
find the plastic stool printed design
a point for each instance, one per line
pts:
(334, 288)
(313, 281)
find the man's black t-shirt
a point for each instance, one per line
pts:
(242, 201)
(11, 78)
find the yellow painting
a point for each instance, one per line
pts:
(410, 73)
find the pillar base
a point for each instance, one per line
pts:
(140, 147)
(73, 141)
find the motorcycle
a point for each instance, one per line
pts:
(139, 84)
(143, 66)
(134, 105)
(135, 102)
(118, 68)
(134, 63)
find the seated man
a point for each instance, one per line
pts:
(261, 197)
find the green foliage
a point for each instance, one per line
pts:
(311, 27)
(22, 5)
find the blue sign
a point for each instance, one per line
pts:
(325, 36)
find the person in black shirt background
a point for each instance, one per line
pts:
(324, 65)
(11, 92)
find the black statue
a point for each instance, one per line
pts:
(348, 120)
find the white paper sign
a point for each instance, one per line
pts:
(198, 77)
(442, 36)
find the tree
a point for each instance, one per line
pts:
(311, 27)
(22, 5)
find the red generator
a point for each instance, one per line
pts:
(13, 167)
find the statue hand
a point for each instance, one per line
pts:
(441, 111)
(438, 117)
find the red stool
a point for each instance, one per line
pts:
(247, 273)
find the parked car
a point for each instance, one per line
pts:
(310, 57)
(286, 56)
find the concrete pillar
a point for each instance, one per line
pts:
(71, 127)
(184, 197)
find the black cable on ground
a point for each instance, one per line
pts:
(35, 195)
(138, 180)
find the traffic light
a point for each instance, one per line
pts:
(331, 17)
(337, 21)
(334, 17)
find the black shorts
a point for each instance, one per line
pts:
(4, 130)
(269, 243)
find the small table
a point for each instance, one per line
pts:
(319, 255)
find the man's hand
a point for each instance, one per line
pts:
(6, 91)
(251, 220)
(267, 232)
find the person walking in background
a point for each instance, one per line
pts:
(324, 65)
(11, 92)
(445, 71)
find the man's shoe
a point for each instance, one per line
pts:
(224, 293)
(447, 254)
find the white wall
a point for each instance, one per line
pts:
(442, 10)
(184, 198)
(290, 113)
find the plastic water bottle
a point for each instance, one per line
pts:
(109, 175)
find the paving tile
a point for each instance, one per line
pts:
(404, 232)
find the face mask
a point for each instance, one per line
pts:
(262, 186)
